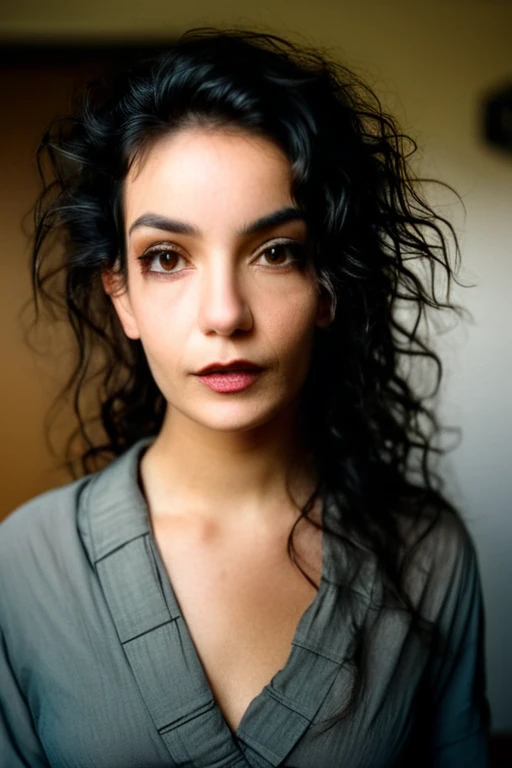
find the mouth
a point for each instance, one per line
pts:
(230, 378)
(235, 366)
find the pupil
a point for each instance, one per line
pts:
(166, 259)
(275, 253)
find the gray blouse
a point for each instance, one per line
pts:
(98, 668)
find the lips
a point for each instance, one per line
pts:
(234, 365)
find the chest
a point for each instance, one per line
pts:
(242, 598)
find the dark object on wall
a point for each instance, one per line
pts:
(498, 119)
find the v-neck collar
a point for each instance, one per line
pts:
(116, 530)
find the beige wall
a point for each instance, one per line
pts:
(432, 64)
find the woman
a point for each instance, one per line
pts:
(265, 574)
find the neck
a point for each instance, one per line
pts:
(229, 477)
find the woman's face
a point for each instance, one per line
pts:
(216, 273)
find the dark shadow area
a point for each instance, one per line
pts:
(501, 750)
(98, 58)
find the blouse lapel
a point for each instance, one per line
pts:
(319, 661)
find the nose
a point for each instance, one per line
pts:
(223, 304)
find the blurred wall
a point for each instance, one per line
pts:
(432, 63)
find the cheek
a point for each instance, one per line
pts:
(290, 322)
(163, 332)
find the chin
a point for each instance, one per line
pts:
(231, 417)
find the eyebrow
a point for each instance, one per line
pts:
(154, 221)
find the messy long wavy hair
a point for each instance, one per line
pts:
(376, 245)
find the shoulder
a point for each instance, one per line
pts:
(47, 525)
(447, 543)
(42, 520)
(435, 534)
(44, 542)
(440, 563)
(39, 542)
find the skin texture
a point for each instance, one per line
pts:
(218, 296)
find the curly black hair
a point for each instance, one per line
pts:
(376, 244)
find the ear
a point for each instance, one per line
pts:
(324, 314)
(120, 298)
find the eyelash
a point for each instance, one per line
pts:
(147, 258)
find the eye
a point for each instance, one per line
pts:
(160, 260)
(285, 254)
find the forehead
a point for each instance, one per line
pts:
(220, 172)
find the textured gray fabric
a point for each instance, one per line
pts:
(98, 669)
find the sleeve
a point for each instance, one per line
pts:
(19, 744)
(461, 716)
